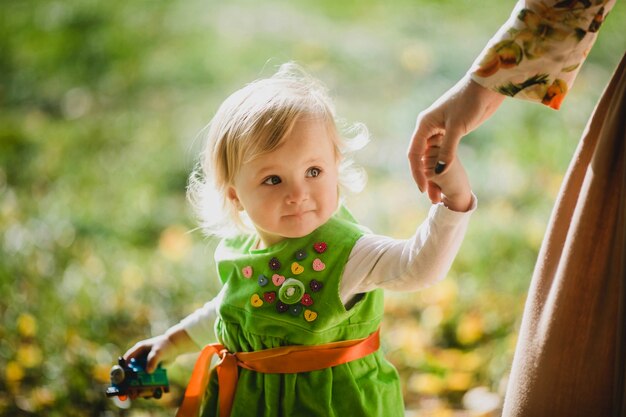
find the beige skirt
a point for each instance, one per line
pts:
(570, 358)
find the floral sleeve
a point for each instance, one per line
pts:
(536, 55)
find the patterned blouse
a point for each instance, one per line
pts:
(538, 52)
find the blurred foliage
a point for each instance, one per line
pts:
(101, 106)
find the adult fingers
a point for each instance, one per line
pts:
(429, 160)
(431, 155)
(415, 154)
(429, 166)
(425, 128)
(434, 192)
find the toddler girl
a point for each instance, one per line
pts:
(298, 314)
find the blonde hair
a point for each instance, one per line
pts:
(255, 120)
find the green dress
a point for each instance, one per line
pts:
(288, 294)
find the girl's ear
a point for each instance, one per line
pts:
(231, 193)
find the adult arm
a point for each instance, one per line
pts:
(538, 52)
(535, 55)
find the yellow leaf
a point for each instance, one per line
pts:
(26, 325)
(14, 372)
(426, 384)
(101, 373)
(470, 329)
(29, 356)
(43, 397)
(459, 381)
(175, 243)
(470, 361)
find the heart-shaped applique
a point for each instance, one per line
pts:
(270, 296)
(315, 285)
(263, 281)
(281, 307)
(274, 264)
(247, 271)
(296, 268)
(256, 301)
(318, 265)
(320, 247)
(295, 310)
(310, 315)
(278, 279)
(306, 300)
(300, 254)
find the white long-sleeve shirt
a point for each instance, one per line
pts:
(377, 261)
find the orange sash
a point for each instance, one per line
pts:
(282, 360)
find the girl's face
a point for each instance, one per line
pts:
(292, 190)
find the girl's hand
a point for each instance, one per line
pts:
(163, 348)
(451, 187)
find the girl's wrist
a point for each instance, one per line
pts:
(461, 202)
(179, 339)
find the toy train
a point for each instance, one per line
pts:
(130, 380)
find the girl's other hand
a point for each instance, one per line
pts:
(164, 348)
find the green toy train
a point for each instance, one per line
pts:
(130, 380)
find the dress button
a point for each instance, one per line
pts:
(295, 310)
(291, 291)
(296, 268)
(315, 285)
(281, 307)
(256, 301)
(274, 264)
(320, 247)
(270, 296)
(306, 300)
(247, 271)
(318, 265)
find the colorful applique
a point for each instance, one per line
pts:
(274, 264)
(281, 307)
(278, 279)
(256, 301)
(291, 293)
(270, 296)
(306, 300)
(310, 315)
(295, 310)
(315, 285)
(262, 280)
(247, 271)
(318, 265)
(296, 268)
(320, 247)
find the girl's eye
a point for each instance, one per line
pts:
(272, 180)
(314, 172)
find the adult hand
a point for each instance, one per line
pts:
(456, 113)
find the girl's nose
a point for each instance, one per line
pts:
(297, 193)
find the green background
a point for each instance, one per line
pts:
(101, 108)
